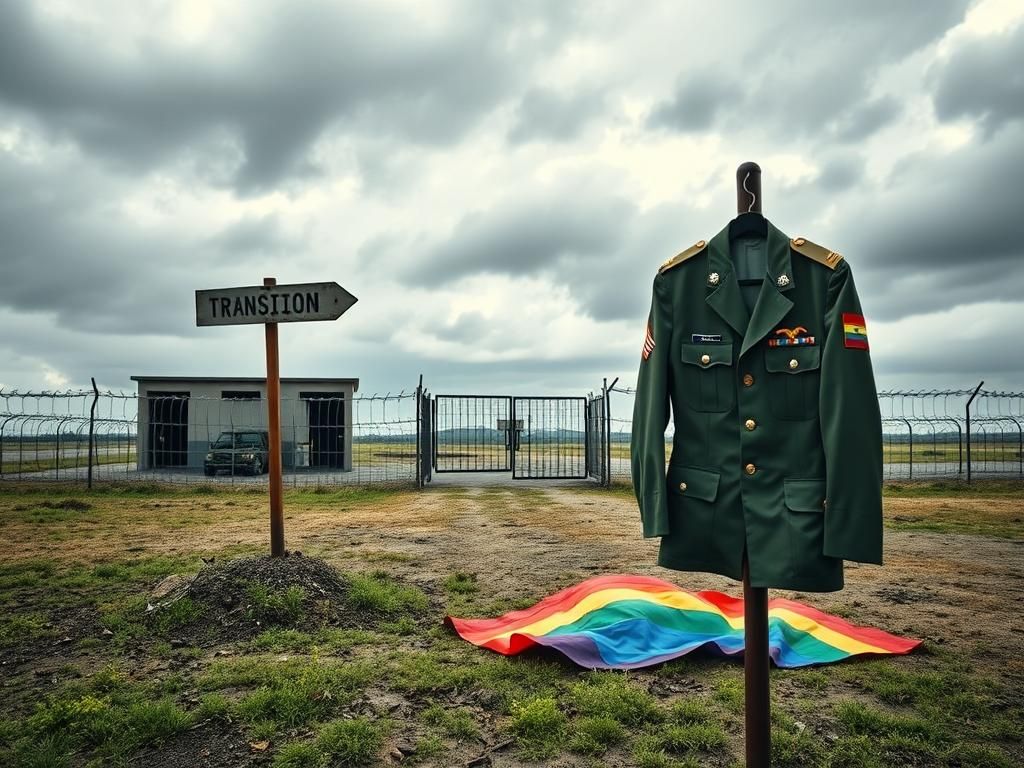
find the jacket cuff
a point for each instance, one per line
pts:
(654, 515)
(848, 542)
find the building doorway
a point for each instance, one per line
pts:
(326, 429)
(168, 429)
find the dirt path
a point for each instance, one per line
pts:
(526, 542)
(956, 589)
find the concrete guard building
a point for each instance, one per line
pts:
(179, 417)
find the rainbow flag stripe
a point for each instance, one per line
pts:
(623, 621)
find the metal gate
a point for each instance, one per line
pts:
(553, 440)
(473, 433)
(531, 437)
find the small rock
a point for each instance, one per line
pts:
(175, 643)
(405, 746)
(396, 754)
(170, 584)
(259, 746)
(107, 631)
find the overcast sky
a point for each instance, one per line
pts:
(496, 182)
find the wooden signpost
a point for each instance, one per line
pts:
(271, 304)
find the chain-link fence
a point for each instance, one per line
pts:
(927, 434)
(86, 436)
(91, 436)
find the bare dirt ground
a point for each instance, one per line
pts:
(960, 591)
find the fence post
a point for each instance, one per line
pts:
(910, 456)
(92, 428)
(419, 433)
(608, 431)
(967, 410)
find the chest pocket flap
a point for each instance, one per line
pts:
(715, 354)
(792, 359)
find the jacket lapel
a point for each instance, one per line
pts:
(725, 296)
(772, 305)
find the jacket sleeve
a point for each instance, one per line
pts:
(851, 429)
(650, 417)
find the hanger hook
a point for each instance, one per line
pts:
(753, 197)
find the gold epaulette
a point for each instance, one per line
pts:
(679, 258)
(816, 252)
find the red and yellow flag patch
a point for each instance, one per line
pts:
(855, 331)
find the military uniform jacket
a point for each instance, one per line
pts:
(778, 447)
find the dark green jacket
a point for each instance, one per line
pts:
(777, 445)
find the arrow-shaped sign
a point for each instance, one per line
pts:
(297, 303)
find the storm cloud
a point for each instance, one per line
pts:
(496, 183)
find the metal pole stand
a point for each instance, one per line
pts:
(755, 673)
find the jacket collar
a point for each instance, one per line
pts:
(772, 305)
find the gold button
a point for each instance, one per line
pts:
(750, 424)
(798, 241)
(750, 469)
(705, 359)
(793, 363)
(824, 503)
(682, 486)
(747, 380)
(700, 244)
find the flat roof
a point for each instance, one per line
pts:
(246, 379)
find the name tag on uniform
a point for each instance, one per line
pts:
(705, 338)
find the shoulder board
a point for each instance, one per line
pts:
(816, 252)
(679, 258)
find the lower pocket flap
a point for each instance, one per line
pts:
(805, 495)
(691, 481)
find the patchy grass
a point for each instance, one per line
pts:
(729, 692)
(326, 639)
(23, 628)
(379, 593)
(460, 583)
(457, 723)
(692, 737)
(275, 606)
(107, 714)
(595, 735)
(612, 695)
(942, 488)
(539, 727)
(339, 743)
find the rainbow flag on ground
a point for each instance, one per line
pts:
(621, 621)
